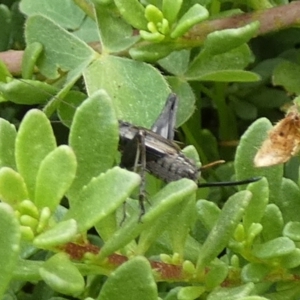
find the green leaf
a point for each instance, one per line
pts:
(176, 62)
(55, 175)
(291, 260)
(231, 76)
(232, 293)
(116, 35)
(25, 91)
(68, 55)
(153, 14)
(216, 275)
(170, 9)
(34, 141)
(180, 224)
(190, 292)
(280, 246)
(30, 57)
(222, 41)
(9, 245)
(292, 231)
(67, 108)
(272, 223)
(250, 142)
(208, 213)
(65, 13)
(219, 236)
(267, 97)
(176, 221)
(102, 196)
(71, 79)
(133, 12)
(194, 15)
(288, 201)
(256, 208)
(12, 187)
(225, 66)
(59, 234)
(8, 135)
(167, 198)
(134, 281)
(151, 52)
(94, 138)
(244, 109)
(139, 91)
(62, 276)
(287, 74)
(255, 272)
(4, 72)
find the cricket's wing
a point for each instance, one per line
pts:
(165, 123)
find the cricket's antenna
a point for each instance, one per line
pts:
(228, 183)
(212, 164)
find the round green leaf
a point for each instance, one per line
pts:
(31, 54)
(288, 201)
(292, 231)
(62, 276)
(34, 141)
(170, 9)
(275, 248)
(225, 40)
(208, 213)
(287, 75)
(166, 199)
(7, 144)
(232, 293)
(101, 196)
(9, 245)
(12, 187)
(133, 12)
(194, 15)
(116, 35)
(66, 55)
(219, 236)
(61, 233)
(55, 175)
(65, 13)
(226, 66)
(244, 166)
(138, 90)
(256, 208)
(133, 280)
(272, 222)
(27, 91)
(254, 272)
(151, 52)
(94, 138)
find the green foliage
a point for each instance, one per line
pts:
(63, 230)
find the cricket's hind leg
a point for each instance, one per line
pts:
(134, 157)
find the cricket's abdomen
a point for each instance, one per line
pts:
(173, 167)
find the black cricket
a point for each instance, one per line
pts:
(156, 152)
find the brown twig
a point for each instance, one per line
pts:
(271, 20)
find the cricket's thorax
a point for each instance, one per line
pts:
(164, 158)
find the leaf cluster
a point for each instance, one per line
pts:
(63, 232)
